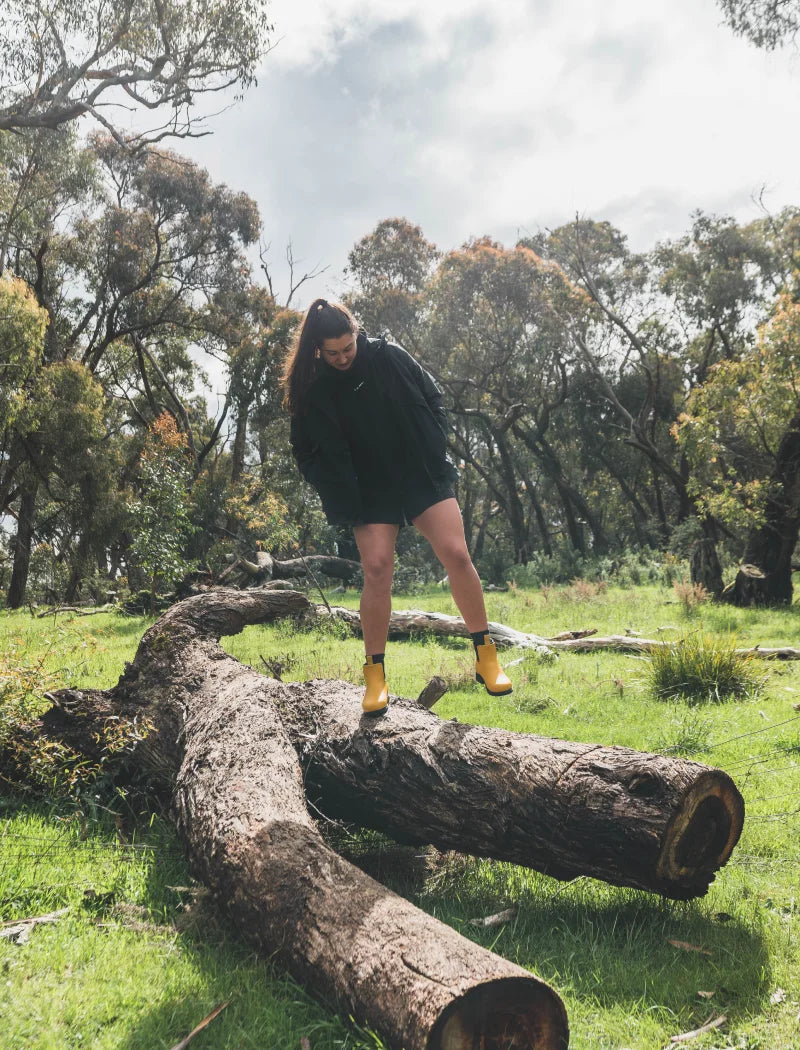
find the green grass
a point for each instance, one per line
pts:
(89, 982)
(703, 668)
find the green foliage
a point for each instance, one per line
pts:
(160, 522)
(22, 330)
(627, 568)
(736, 420)
(703, 669)
(768, 24)
(261, 517)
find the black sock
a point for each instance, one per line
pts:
(377, 658)
(479, 638)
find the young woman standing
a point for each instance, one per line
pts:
(368, 431)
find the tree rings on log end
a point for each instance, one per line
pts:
(702, 834)
(511, 1013)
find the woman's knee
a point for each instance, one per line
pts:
(455, 557)
(378, 568)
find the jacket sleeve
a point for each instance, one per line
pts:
(323, 458)
(428, 386)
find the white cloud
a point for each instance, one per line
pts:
(472, 119)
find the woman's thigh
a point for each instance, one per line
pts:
(443, 527)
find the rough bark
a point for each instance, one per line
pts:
(704, 565)
(340, 568)
(629, 818)
(220, 748)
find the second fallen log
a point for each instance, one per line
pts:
(566, 809)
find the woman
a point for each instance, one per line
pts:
(368, 431)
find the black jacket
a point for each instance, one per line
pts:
(379, 424)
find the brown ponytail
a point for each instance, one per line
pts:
(323, 321)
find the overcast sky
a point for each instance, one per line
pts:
(474, 118)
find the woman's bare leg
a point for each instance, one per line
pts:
(376, 546)
(443, 527)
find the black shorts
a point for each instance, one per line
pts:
(401, 506)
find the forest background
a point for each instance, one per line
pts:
(601, 399)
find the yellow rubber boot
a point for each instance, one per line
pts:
(488, 671)
(376, 698)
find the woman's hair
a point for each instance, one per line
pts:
(323, 321)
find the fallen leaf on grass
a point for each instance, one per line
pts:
(686, 947)
(705, 995)
(709, 1026)
(778, 996)
(203, 1024)
(495, 920)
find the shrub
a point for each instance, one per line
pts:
(690, 595)
(703, 669)
(585, 591)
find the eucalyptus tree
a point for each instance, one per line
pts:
(768, 24)
(64, 59)
(390, 270)
(663, 321)
(126, 280)
(742, 434)
(500, 346)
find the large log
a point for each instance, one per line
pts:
(630, 818)
(658, 823)
(219, 746)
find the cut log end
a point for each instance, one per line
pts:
(702, 834)
(507, 1014)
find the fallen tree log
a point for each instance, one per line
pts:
(406, 622)
(219, 748)
(630, 818)
(659, 823)
(244, 572)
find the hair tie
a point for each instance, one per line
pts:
(322, 303)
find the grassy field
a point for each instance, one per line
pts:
(141, 957)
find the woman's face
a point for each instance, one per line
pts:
(339, 352)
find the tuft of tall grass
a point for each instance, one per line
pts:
(690, 595)
(702, 668)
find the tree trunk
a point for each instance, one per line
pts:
(565, 808)
(541, 522)
(765, 576)
(704, 566)
(22, 546)
(246, 573)
(628, 818)
(339, 568)
(218, 745)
